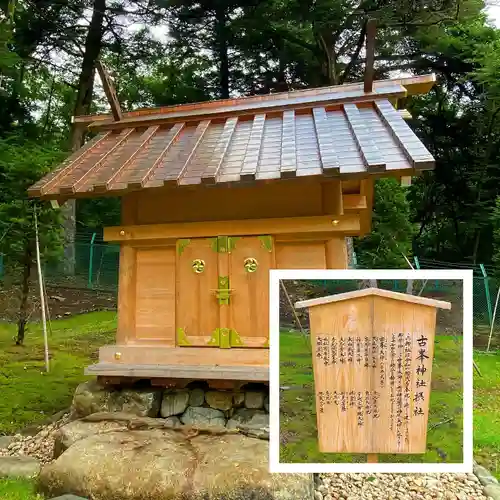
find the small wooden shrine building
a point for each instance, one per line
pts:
(216, 194)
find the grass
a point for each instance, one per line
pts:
(487, 411)
(298, 414)
(29, 394)
(18, 489)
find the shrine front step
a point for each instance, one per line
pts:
(188, 372)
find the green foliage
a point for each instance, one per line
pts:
(459, 122)
(392, 231)
(22, 163)
(495, 222)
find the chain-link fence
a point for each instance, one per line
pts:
(95, 269)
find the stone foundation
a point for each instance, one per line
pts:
(197, 406)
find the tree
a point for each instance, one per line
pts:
(459, 122)
(22, 163)
(391, 237)
(495, 222)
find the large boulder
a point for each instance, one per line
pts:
(102, 422)
(91, 397)
(164, 464)
(69, 434)
(19, 466)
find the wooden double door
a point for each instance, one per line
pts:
(222, 291)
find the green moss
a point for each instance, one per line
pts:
(487, 411)
(18, 489)
(298, 416)
(29, 394)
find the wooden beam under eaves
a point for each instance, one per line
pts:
(110, 91)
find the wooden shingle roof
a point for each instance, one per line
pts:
(333, 131)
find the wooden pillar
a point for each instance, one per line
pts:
(126, 294)
(336, 253)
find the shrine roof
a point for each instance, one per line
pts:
(332, 131)
(366, 292)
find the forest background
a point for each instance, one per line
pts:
(163, 52)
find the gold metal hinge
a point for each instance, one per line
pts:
(223, 244)
(235, 339)
(225, 338)
(182, 338)
(223, 292)
(181, 245)
(267, 242)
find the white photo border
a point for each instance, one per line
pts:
(466, 276)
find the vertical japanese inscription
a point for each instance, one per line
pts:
(392, 379)
(367, 352)
(407, 386)
(342, 354)
(421, 370)
(382, 357)
(399, 389)
(396, 375)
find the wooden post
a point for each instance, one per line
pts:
(371, 30)
(42, 295)
(110, 91)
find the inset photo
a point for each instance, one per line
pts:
(371, 371)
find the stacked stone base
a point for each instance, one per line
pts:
(195, 406)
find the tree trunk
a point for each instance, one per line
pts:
(476, 246)
(222, 49)
(25, 288)
(409, 287)
(93, 45)
(350, 252)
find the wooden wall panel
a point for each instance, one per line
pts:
(286, 199)
(155, 295)
(129, 209)
(300, 255)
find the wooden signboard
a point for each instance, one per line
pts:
(372, 359)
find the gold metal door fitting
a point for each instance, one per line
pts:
(250, 265)
(198, 266)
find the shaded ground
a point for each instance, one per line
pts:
(298, 415)
(62, 302)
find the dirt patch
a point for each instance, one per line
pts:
(445, 385)
(288, 437)
(62, 302)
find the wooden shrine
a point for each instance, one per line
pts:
(372, 362)
(216, 194)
